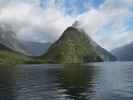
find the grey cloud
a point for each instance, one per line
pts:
(31, 22)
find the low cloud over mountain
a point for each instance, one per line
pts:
(108, 22)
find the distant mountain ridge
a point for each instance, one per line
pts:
(75, 46)
(36, 48)
(8, 40)
(124, 53)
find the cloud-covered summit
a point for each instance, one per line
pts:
(108, 22)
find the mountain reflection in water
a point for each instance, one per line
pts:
(7, 82)
(99, 81)
(76, 81)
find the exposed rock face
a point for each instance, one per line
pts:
(75, 46)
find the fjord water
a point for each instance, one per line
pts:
(96, 81)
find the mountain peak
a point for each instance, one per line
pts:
(73, 33)
(73, 47)
(75, 24)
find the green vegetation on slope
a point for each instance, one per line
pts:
(72, 47)
(9, 57)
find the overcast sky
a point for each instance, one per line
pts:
(108, 22)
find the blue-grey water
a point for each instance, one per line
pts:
(98, 81)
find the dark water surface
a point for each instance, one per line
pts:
(99, 81)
